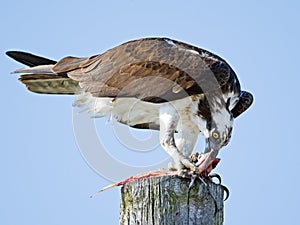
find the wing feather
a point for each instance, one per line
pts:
(151, 69)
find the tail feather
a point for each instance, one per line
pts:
(49, 84)
(42, 69)
(29, 59)
(39, 77)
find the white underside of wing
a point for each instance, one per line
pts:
(130, 111)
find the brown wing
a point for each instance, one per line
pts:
(151, 69)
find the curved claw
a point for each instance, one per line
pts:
(216, 176)
(226, 190)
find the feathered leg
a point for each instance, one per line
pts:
(169, 118)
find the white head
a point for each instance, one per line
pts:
(219, 129)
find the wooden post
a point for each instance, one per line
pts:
(167, 200)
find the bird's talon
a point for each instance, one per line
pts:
(215, 175)
(226, 190)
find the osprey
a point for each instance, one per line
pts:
(151, 83)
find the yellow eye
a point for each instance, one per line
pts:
(215, 135)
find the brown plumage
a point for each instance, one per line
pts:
(150, 69)
(150, 83)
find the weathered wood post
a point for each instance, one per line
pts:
(167, 200)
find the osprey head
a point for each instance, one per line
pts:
(219, 130)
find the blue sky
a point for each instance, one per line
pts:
(45, 179)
